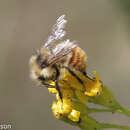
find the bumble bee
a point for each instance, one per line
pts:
(56, 55)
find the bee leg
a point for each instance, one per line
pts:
(47, 85)
(76, 76)
(79, 120)
(85, 74)
(56, 81)
(58, 89)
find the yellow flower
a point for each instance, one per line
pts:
(65, 106)
(62, 108)
(74, 116)
(66, 93)
(81, 96)
(52, 83)
(52, 90)
(91, 87)
(55, 110)
(94, 86)
(71, 81)
(70, 89)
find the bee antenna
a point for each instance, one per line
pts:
(57, 32)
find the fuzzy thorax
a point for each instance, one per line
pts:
(48, 72)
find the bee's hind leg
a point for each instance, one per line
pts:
(75, 75)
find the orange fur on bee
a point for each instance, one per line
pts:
(79, 59)
(73, 60)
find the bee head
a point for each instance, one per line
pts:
(41, 62)
(39, 66)
(42, 57)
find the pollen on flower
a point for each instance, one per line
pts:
(70, 90)
(55, 110)
(81, 96)
(65, 106)
(90, 87)
(52, 90)
(71, 81)
(95, 87)
(52, 83)
(61, 108)
(74, 115)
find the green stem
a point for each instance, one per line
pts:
(120, 110)
(92, 110)
(107, 99)
(88, 123)
(85, 123)
(105, 125)
(123, 110)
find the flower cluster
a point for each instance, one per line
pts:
(71, 90)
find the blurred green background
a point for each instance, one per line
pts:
(101, 29)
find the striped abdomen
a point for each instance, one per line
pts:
(78, 59)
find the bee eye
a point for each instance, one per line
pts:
(43, 65)
(41, 62)
(41, 78)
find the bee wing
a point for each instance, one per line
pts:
(60, 51)
(57, 32)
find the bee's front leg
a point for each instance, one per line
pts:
(45, 83)
(48, 85)
(58, 89)
(57, 80)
